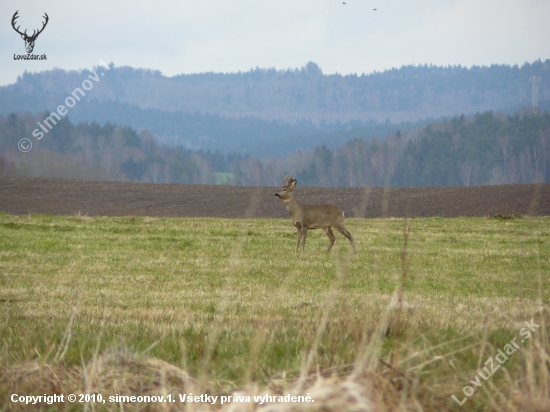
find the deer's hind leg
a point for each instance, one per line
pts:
(342, 229)
(304, 235)
(332, 238)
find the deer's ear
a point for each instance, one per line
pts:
(293, 184)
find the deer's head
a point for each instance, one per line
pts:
(288, 188)
(29, 40)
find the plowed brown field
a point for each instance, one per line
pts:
(67, 197)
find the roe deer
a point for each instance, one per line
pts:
(306, 217)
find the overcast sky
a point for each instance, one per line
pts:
(181, 36)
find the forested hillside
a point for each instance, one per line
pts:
(485, 148)
(236, 111)
(252, 135)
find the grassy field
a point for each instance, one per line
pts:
(137, 305)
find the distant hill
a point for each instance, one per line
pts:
(237, 111)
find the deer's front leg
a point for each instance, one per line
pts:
(298, 236)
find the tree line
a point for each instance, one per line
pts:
(485, 148)
(223, 110)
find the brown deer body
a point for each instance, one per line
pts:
(305, 217)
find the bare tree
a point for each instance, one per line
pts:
(505, 150)
(466, 172)
(512, 174)
(497, 176)
(543, 144)
(525, 166)
(378, 161)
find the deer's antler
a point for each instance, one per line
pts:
(43, 27)
(15, 16)
(287, 180)
(34, 33)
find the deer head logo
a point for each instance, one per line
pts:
(29, 40)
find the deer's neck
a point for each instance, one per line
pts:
(293, 206)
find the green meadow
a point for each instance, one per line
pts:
(410, 319)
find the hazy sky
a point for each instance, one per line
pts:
(181, 36)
